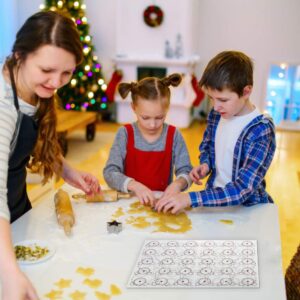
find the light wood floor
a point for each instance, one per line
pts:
(283, 178)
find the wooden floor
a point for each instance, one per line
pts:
(283, 178)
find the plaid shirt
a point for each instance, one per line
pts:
(253, 154)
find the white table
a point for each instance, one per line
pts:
(113, 255)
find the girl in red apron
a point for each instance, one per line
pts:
(146, 154)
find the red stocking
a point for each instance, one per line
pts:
(200, 94)
(112, 85)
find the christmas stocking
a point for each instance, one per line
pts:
(112, 85)
(199, 93)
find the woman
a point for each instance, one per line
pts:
(46, 51)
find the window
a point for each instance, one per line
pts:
(8, 27)
(283, 93)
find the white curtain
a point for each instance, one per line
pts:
(8, 28)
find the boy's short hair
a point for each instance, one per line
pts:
(229, 69)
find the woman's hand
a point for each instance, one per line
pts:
(199, 172)
(174, 204)
(81, 180)
(144, 194)
(15, 285)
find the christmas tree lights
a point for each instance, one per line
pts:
(86, 90)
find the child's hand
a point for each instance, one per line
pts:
(173, 189)
(144, 194)
(198, 173)
(174, 204)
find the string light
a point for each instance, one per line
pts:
(84, 19)
(90, 95)
(103, 87)
(100, 81)
(86, 50)
(73, 82)
(87, 67)
(283, 66)
(60, 4)
(76, 4)
(42, 6)
(83, 6)
(87, 38)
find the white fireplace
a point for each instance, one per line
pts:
(181, 96)
(142, 50)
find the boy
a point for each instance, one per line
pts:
(238, 144)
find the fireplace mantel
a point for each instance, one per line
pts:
(157, 60)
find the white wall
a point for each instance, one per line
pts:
(135, 38)
(267, 30)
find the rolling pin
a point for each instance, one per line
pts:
(103, 196)
(64, 211)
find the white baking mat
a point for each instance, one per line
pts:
(196, 264)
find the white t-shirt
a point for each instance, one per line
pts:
(227, 134)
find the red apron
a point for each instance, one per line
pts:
(151, 168)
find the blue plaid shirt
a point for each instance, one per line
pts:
(253, 154)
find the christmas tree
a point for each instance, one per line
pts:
(86, 90)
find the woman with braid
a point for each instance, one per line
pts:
(145, 154)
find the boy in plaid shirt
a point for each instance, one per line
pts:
(238, 144)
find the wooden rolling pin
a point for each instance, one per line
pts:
(104, 196)
(64, 211)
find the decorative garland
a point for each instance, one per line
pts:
(153, 16)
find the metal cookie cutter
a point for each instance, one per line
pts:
(114, 227)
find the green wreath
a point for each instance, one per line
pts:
(153, 16)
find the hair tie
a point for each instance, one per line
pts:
(132, 85)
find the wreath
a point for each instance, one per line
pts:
(153, 16)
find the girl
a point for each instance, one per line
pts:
(145, 153)
(46, 51)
